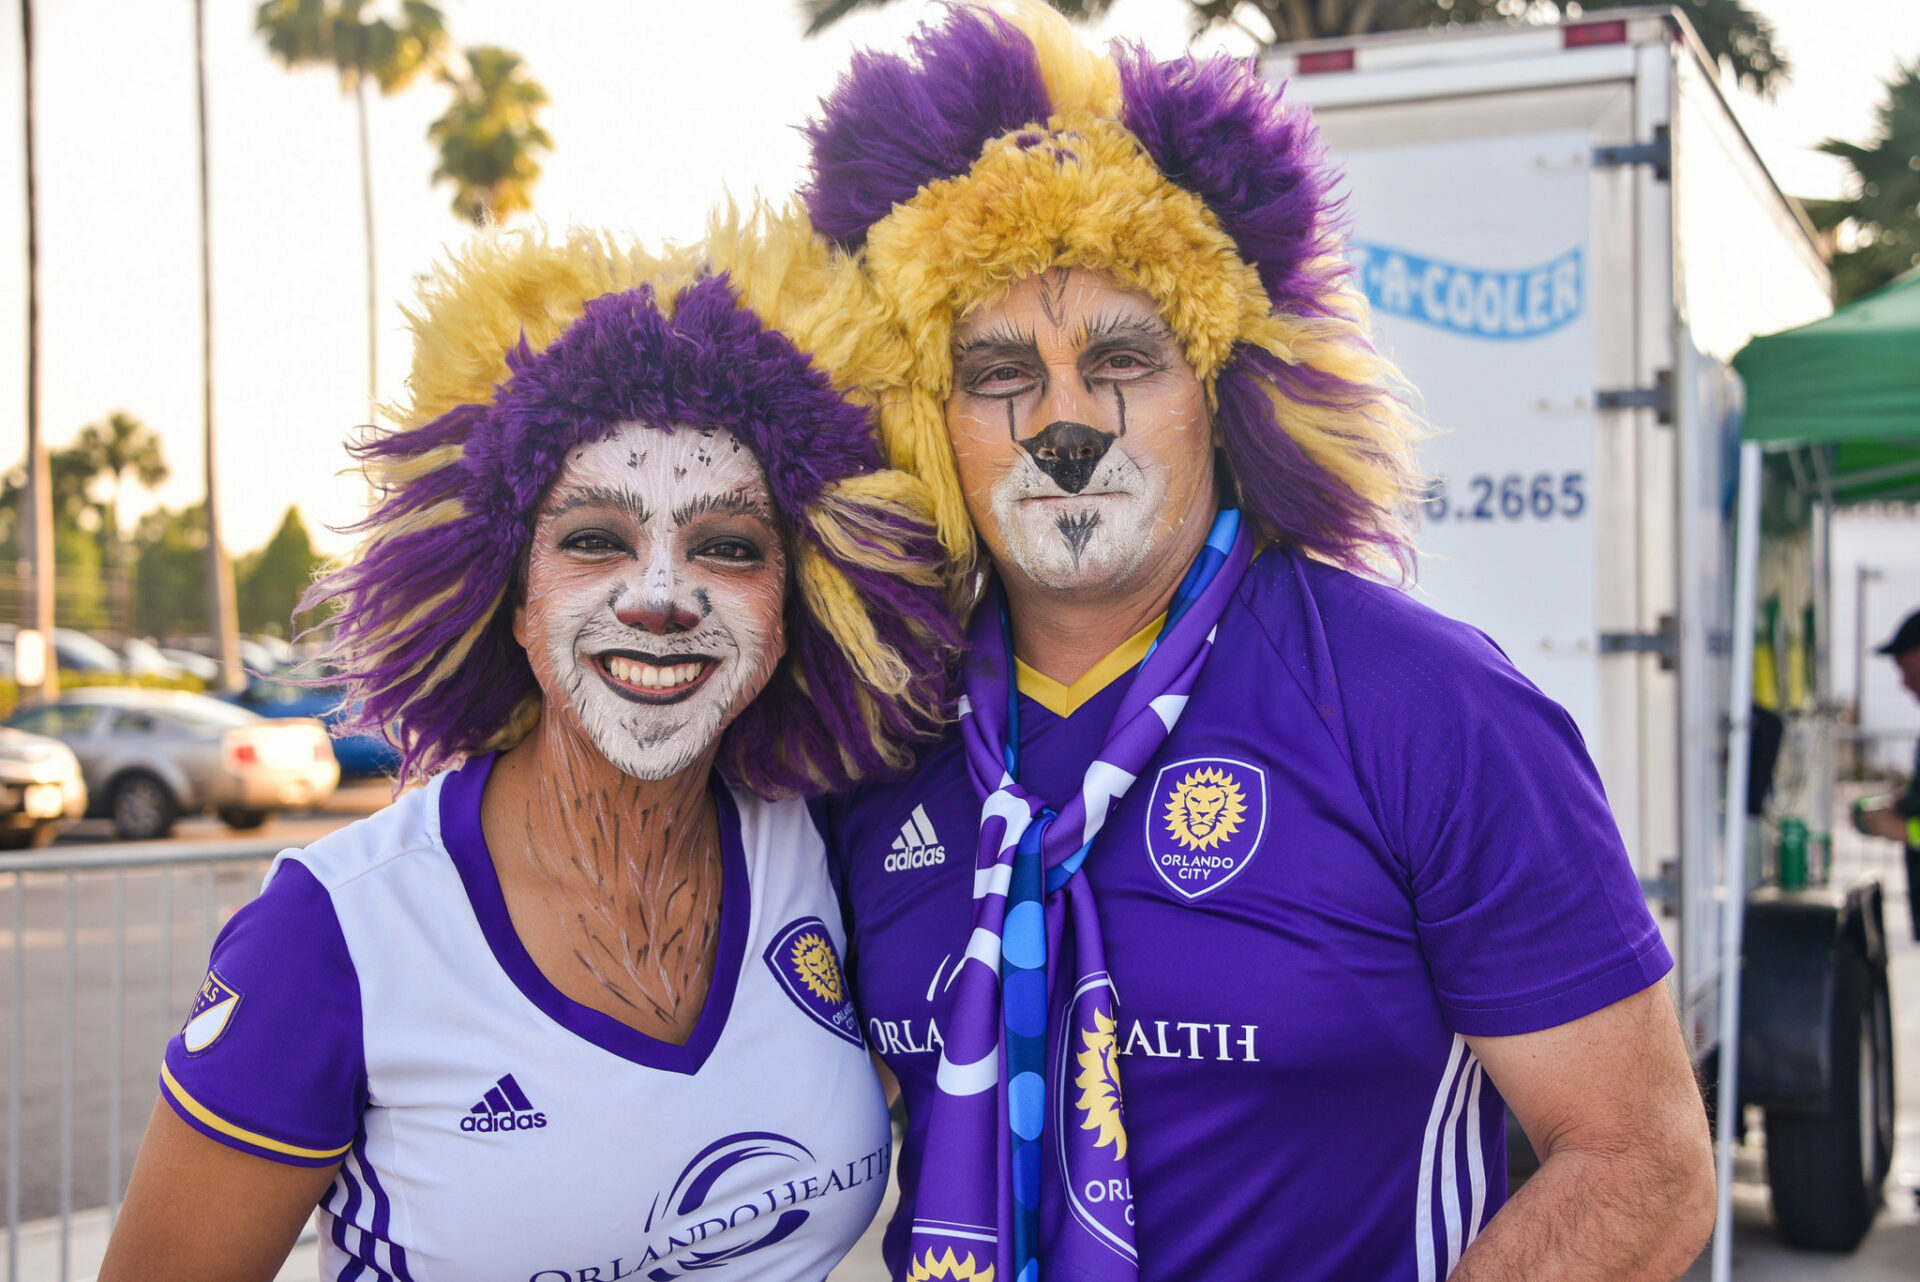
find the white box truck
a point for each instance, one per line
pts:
(1565, 237)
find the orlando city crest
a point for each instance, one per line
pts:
(1205, 823)
(802, 958)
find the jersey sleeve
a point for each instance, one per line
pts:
(1529, 911)
(270, 1060)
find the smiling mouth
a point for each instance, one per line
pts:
(647, 678)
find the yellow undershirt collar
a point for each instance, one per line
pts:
(1063, 700)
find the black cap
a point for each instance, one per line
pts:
(1907, 638)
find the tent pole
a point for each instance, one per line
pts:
(1733, 863)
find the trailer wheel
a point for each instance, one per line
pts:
(1825, 1168)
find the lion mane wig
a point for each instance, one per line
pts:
(526, 347)
(1001, 146)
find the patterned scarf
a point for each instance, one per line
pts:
(1007, 1069)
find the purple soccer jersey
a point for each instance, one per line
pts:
(1367, 838)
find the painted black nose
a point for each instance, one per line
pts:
(1068, 452)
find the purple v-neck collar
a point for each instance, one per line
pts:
(460, 830)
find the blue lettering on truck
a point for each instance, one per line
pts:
(1483, 303)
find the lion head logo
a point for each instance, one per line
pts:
(1099, 1083)
(817, 967)
(1205, 809)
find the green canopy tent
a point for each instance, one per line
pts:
(1848, 386)
(1844, 392)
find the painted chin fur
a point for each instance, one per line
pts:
(652, 714)
(1067, 541)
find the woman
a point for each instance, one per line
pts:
(573, 1010)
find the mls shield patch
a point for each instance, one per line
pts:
(213, 1008)
(801, 957)
(1205, 822)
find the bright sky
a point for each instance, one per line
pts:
(658, 107)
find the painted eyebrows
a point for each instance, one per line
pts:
(739, 501)
(1000, 342)
(598, 496)
(1122, 327)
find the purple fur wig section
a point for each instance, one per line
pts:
(710, 365)
(1220, 131)
(1296, 499)
(893, 124)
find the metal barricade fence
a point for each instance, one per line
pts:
(103, 952)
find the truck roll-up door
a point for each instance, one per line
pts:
(1499, 262)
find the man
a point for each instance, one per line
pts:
(1898, 818)
(1303, 872)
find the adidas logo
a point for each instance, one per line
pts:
(505, 1107)
(916, 846)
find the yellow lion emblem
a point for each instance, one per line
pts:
(1099, 1083)
(818, 968)
(1205, 809)
(945, 1266)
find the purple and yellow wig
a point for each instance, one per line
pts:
(1002, 147)
(525, 349)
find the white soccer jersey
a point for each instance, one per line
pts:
(375, 1008)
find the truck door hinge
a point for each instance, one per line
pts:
(1665, 643)
(1658, 153)
(1658, 398)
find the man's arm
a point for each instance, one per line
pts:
(1625, 1190)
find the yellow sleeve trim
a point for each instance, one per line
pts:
(221, 1124)
(1064, 700)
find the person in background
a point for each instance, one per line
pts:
(1897, 818)
(1248, 893)
(636, 580)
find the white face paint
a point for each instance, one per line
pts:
(1080, 431)
(655, 589)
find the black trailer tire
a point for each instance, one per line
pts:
(1825, 1168)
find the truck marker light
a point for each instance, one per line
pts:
(1594, 33)
(1309, 64)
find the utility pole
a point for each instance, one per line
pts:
(38, 529)
(222, 616)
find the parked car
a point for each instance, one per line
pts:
(150, 756)
(79, 652)
(41, 789)
(198, 665)
(358, 754)
(145, 659)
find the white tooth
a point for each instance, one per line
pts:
(649, 676)
(619, 669)
(687, 672)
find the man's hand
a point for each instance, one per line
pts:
(1625, 1190)
(1884, 821)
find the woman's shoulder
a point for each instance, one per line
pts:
(408, 827)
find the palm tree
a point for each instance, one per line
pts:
(489, 134)
(222, 618)
(121, 448)
(39, 486)
(1882, 220)
(360, 47)
(1731, 32)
